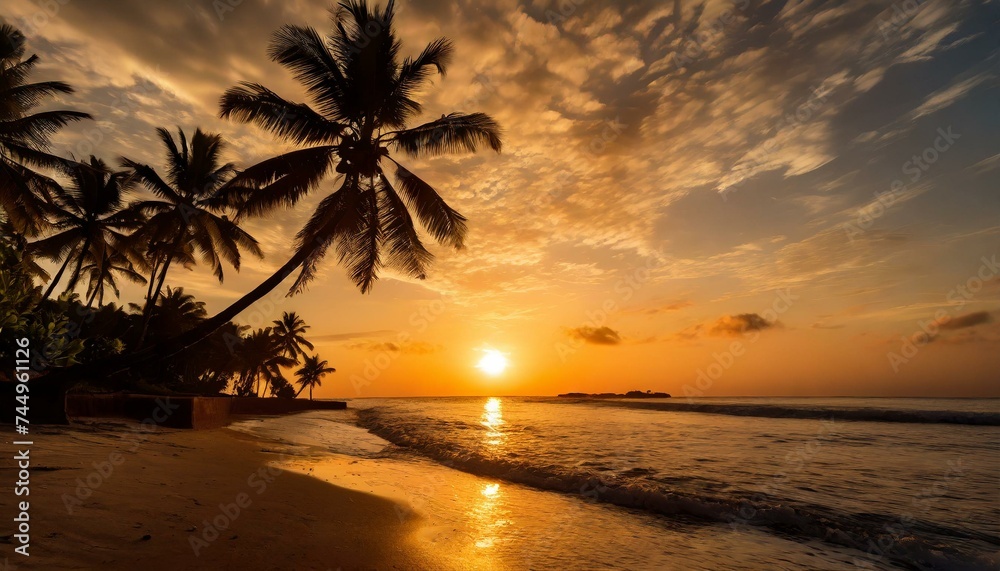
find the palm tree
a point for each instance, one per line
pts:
(311, 374)
(174, 313)
(28, 264)
(261, 361)
(101, 274)
(24, 135)
(364, 99)
(187, 212)
(290, 333)
(88, 220)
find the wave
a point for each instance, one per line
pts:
(911, 544)
(827, 413)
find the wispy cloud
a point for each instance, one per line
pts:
(596, 335)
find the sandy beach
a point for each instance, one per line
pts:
(106, 495)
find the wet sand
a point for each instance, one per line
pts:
(107, 495)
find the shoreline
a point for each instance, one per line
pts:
(106, 495)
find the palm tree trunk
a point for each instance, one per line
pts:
(55, 280)
(100, 282)
(147, 311)
(93, 295)
(151, 301)
(310, 392)
(152, 281)
(103, 368)
(75, 276)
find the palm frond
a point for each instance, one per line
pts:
(303, 51)
(451, 133)
(35, 130)
(297, 122)
(442, 221)
(279, 181)
(403, 248)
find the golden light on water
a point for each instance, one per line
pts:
(493, 362)
(490, 517)
(492, 420)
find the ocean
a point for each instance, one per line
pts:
(752, 483)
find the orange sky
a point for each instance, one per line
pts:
(662, 195)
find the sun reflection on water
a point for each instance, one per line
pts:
(492, 419)
(489, 516)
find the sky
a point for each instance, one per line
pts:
(726, 198)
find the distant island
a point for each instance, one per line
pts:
(628, 395)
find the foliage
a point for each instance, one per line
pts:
(362, 97)
(311, 374)
(53, 339)
(24, 135)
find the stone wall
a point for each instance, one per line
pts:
(186, 412)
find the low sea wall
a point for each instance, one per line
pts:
(186, 411)
(250, 405)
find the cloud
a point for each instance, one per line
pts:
(967, 320)
(948, 96)
(669, 307)
(351, 335)
(596, 335)
(409, 348)
(736, 325)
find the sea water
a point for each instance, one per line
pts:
(551, 483)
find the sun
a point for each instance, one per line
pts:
(493, 362)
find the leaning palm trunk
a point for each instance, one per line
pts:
(364, 103)
(56, 278)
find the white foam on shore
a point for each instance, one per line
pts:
(327, 431)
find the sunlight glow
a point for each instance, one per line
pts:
(492, 420)
(493, 362)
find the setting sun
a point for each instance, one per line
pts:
(493, 362)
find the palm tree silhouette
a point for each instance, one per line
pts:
(188, 211)
(311, 374)
(88, 219)
(101, 275)
(364, 98)
(261, 360)
(290, 333)
(24, 135)
(175, 312)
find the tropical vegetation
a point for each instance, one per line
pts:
(97, 225)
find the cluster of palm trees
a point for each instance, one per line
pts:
(265, 352)
(102, 224)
